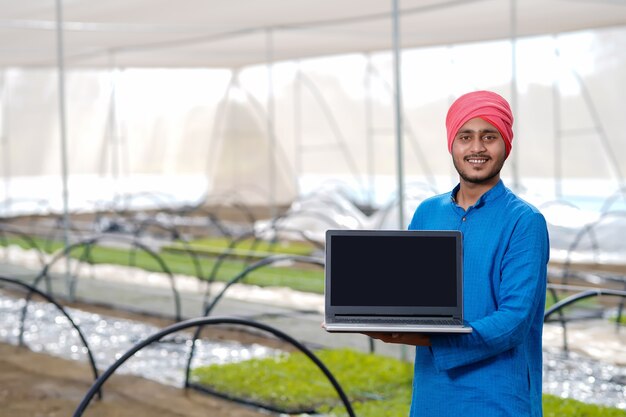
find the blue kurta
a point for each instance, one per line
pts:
(496, 369)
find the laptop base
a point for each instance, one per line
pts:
(390, 328)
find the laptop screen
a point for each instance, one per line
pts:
(393, 271)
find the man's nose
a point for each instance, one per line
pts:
(477, 145)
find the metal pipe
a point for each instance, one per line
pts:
(398, 111)
(63, 132)
(397, 85)
(114, 137)
(369, 134)
(271, 134)
(297, 127)
(4, 138)
(556, 100)
(515, 156)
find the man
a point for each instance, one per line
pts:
(496, 369)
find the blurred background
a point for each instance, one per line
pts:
(182, 129)
(270, 100)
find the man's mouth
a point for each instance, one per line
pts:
(478, 160)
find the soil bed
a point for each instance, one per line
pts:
(36, 384)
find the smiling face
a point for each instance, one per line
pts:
(478, 153)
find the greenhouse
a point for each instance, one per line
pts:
(169, 172)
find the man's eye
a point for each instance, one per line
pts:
(489, 137)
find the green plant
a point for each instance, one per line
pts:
(554, 406)
(376, 385)
(622, 318)
(293, 382)
(220, 244)
(307, 279)
(587, 303)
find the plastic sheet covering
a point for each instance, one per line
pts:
(599, 240)
(183, 122)
(576, 235)
(326, 208)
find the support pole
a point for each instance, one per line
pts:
(4, 138)
(114, 134)
(556, 116)
(397, 86)
(515, 155)
(63, 134)
(398, 112)
(297, 126)
(271, 134)
(369, 132)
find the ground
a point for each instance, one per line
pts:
(39, 385)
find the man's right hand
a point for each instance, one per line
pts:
(413, 339)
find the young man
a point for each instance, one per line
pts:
(496, 369)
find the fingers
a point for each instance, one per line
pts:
(384, 336)
(414, 339)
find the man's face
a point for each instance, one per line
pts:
(478, 152)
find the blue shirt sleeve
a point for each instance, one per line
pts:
(522, 289)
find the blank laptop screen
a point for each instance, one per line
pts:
(393, 271)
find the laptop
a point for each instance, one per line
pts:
(394, 281)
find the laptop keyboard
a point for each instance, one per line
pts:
(413, 321)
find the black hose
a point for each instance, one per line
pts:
(49, 298)
(203, 321)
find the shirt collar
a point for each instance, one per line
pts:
(492, 194)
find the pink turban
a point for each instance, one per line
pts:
(489, 106)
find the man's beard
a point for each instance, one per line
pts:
(480, 180)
